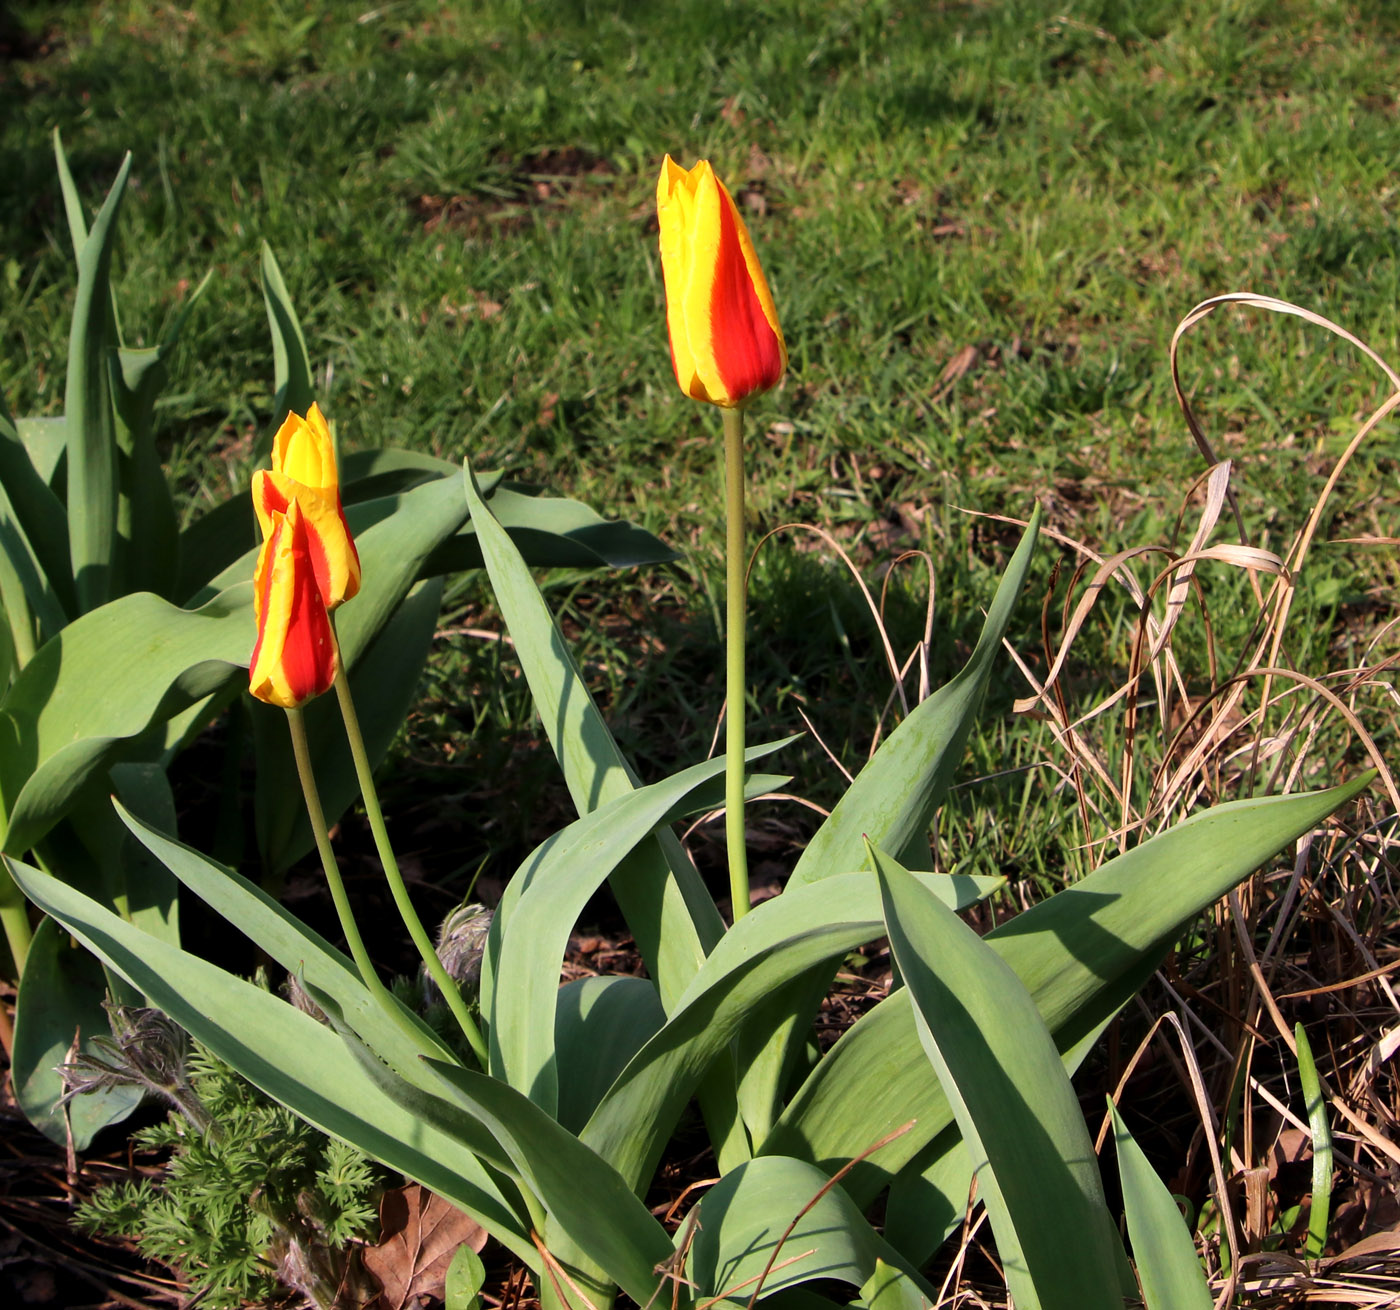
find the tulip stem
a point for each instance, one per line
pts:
(735, 565)
(446, 984)
(348, 926)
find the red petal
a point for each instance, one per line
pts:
(746, 349)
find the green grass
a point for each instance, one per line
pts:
(460, 197)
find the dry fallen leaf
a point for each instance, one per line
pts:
(419, 1234)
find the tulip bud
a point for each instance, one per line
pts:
(304, 470)
(295, 657)
(726, 344)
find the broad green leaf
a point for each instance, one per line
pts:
(153, 904)
(1321, 1132)
(384, 682)
(38, 513)
(530, 930)
(893, 799)
(1018, 1115)
(1167, 1265)
(582, 1196)
(46, 443)
(92, 447)
(387, 470)
(1082, 955)
(662, 896)
(97, 856)
(32, 611)
(218, 540)
(72, 202)
(293, 390)
(890, 1289)
(743, 1222)
(928, 1198)
(289, 1055)
(466, 1276)
(550, 532)
(146, 522)
(599, 1025)
(300, 951)
(60, 999)
(104, 680)
(768, 947)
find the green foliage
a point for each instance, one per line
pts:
(233, 1202)
(999, 1018)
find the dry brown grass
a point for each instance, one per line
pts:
(1312, 942)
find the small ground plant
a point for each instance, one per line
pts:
(253, 1200)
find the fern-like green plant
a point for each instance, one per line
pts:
(257, 1203)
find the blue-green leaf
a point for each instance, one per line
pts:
(1171, 1273)
(92, 446)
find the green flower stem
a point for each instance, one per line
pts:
(735, 560)
(348, 926)
(446, 984)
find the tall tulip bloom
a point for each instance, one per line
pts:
(303, 470)
(726, 344)
(295, 656)
(726, 347)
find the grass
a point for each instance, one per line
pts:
(982, 223)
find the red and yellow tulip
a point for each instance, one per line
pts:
(726, 344)
(295, 657)
(303, 471)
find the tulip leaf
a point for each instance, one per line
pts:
(60, 1002)
(38, 514)
(31, 605)
(599, 1025)
(293, 390)
(215, 541)
(1082, 955)
(364, 472)
(661, 894)
(46, 444)
(550, 532)
(146, 522)
(530, 930)
(300, 951)
(102, 681)
(890, 1289)
(589, 1207)
(92, 448)
(1321, 1133)
(1015, 1108)
(72, 202)
(769, 946)
(743, 1227)
(893, 799)
(289, 1055)
(1171, 1274)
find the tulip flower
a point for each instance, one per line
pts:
(303, 470)
(295, 656)
(726, 344)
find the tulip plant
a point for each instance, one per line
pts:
(122, 635)
(547, 1121)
